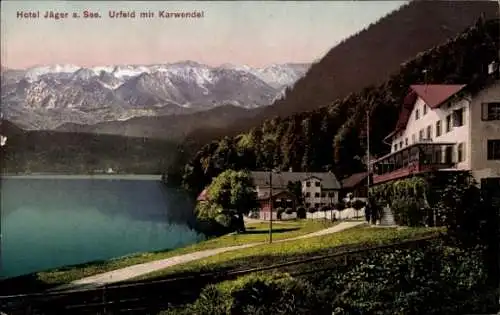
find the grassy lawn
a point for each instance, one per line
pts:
(276, 253)
(256, 232)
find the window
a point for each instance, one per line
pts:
(421, 135)
(317, 184)
(331, 194)
(401, 143)
(417, 114)
(438, 155)
(448, 123)
(308, 184)
(429, 132)
(316, 205)
(308, 204)
(438, 128)
(490, 111)
(406, 141)
(425, 110)
(308, 194)
(413, 138)
(493, 150)
(323, 194)
(316, 195)
(458, 117)
(448, 155)
(461, 152)
(396, 147)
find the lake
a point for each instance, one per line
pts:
(53, 221)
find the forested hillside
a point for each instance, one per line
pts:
(333, 137)
(366, 58)
(80, 153)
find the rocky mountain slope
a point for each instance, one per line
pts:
(47, 97)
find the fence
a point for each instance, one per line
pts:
(152, 296)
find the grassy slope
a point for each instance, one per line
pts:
(276, 253)
(257, 232)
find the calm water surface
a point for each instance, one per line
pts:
(53, 222)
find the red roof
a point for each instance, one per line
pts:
(434, 95)
(354, 180)
(203, 195)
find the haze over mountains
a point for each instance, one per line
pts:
(50, 96)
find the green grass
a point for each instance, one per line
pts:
(256, 232)
(268, 254)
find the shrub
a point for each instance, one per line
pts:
(324, 209)
(279, 213)
(358, 204)
(289, 211)
(301, 213)
(258, 294)
(408, 211)
(312, 210)
(339, 206)
(210, 227)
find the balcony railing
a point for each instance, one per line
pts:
(414, 159)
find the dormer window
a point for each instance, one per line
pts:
(308, 184)
(417, 114)
(317, 184)
(425, 110)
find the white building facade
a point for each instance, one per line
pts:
(445, 127)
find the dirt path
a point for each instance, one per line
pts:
(152, 266)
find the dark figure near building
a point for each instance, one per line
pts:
(368, 210)
(374, 212)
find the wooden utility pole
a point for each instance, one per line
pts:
(368, 152)
(270, 206)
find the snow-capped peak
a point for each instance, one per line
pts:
(35, 72)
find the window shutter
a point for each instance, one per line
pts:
(484, 111)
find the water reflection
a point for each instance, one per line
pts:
(50, 223)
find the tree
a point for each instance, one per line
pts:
(295, 188)
(234, 192)
(358, 205)
(340, 206)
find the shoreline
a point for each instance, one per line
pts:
(84, 176)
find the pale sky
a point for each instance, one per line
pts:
(253, 33)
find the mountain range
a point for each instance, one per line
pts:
(47, 97)
(366, 59)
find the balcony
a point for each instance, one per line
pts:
(418, 158)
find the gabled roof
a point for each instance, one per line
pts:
(280, 180)
(434, 95)
(264, 194)
(354, 180)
